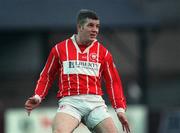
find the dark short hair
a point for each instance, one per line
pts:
(83, 14)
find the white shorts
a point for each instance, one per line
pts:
(91, 109)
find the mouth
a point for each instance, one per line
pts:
(93, 36)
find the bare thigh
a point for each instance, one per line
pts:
(64, 123)
(106, 126)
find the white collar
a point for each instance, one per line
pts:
(77, 47)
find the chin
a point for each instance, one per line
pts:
(92, 39)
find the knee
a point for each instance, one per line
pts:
(104, 130)
(57, 131)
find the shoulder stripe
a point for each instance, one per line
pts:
(106, 53)
(58, 53)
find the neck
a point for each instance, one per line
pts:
(80, 41)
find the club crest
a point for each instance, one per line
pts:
(93, 56)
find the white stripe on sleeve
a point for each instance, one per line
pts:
(112, 89)
(48, 76)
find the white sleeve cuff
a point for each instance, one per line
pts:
(37, 97)
(120, 110)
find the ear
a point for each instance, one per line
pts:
(79, 27)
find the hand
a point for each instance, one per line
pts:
(124, 122)
(30, 104)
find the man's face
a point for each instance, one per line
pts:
(89, 31)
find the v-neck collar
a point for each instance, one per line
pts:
(77, 47)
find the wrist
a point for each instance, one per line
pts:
(118, 110)
(37, 97)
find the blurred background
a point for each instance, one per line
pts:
(142, 35)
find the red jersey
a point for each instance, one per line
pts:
(81, 72)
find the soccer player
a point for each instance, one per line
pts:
(80, 62)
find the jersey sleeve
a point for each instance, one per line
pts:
(48, 74)
(113, 83)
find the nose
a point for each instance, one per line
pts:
(95, 29)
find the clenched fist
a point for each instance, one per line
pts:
(31, 103)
